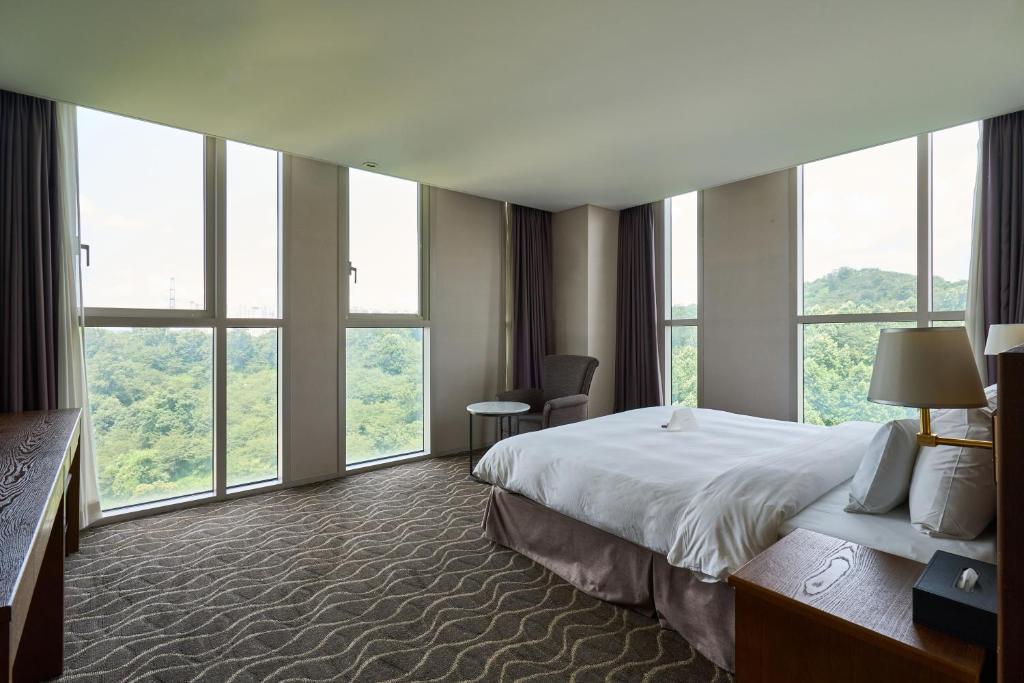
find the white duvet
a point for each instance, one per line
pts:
(709, 499)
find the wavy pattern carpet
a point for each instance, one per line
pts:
(382, 576)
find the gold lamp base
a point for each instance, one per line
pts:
(926, 438)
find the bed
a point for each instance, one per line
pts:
(656, 520)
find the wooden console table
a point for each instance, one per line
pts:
(39, 522)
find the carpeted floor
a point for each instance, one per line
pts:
(382, 576)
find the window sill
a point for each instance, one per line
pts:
(386, 462)
(130, 512)
(145, 509)
(255, 486)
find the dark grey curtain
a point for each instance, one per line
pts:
(29, 258)
(533, 334)
(637, 367)
(1002, 220)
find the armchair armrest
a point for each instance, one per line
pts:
(565, 410)
(532, 397)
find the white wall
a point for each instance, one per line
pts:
(748, 344)
(585, 251)
(310, 337)
(466, 314)
(569, 230)
(602, 291)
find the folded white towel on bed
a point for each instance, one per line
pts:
(682, 420)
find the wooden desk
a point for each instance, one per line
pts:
(816, 608)
(39, 489)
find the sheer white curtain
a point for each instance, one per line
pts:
(72, 390)
(974, 316)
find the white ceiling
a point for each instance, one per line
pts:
(549, 104)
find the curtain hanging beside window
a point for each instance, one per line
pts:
(974, 313)
(1002, 221)
(637, 365)
(72, 387)
(532, 318)
(29, 242)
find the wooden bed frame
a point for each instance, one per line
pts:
(1010, 514)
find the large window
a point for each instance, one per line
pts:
(885, 242)
(181, 290)
(682, 287)
(387, 326)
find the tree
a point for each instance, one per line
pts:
(151, 389)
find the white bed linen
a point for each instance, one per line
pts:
(891, 532)
(708, 499)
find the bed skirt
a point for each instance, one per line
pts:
(613, 569)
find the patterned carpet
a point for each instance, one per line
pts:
(382, 576)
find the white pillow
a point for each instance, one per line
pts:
(953, 490)
(883, 478)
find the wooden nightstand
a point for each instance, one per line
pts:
(816, 608)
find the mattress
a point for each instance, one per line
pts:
(891, 533)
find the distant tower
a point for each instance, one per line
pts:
(172, 302)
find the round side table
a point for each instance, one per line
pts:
(499, 409)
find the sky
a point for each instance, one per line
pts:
(141, 198)
(141, 202)
(860, 211)
(383, 225)
(252, 231)
(684, 249)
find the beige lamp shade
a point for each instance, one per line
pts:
(1003, 338)
(926, 367)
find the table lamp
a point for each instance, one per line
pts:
(1003, 338)
(925, 368)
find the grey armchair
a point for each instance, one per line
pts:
(563, 395)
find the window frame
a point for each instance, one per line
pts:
(347, 320)
(214, 317)
(669, 323)
(924, 316)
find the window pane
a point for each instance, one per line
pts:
(383, 223)
(252, 234)
(954, 173)
(684, 256)
(383, 392)
(252, 405)
(151, 403)
(860, 231)
(684, 366)
(838, 360)
(141, 199)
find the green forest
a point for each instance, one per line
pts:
(838, 357)
(151, 404)
(383, 392)
(151, 389)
